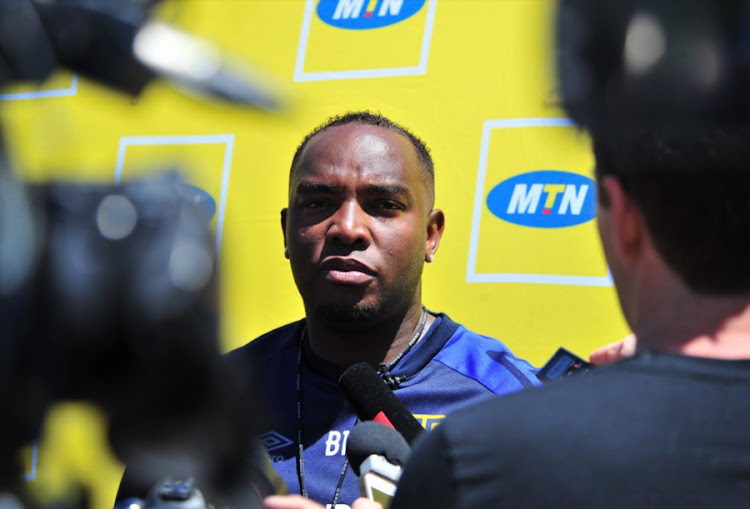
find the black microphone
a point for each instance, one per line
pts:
(377, 454)
(373, 400)
(117, 44)
(370, 437)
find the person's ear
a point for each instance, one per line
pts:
(627, 227)
(284, 212)
(435, 227)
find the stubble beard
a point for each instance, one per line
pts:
(347, 313)
(390, 301)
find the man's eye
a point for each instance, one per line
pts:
(388, 205)
(315, 204)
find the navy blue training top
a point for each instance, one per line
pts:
(450, 368)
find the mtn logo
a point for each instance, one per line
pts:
(366, 14)
(544, 199)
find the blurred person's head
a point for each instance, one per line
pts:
(692, 187)
(659, 85)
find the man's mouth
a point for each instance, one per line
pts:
(347, 271)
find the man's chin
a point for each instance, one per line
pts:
(340, 312)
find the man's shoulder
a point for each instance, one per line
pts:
(527, 420)
(615, 407)
(586, 397)
(486, 360)
(269, 344)
(615, 429)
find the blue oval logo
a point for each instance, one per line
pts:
(544, 199)
(201, 198)
(366, 14)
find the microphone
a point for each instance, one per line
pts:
(372, 399)
(117, 44)
(377, 454)
(199, 66)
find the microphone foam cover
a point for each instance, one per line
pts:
(369, 395)
(370, 437)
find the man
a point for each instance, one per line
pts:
(358, 228)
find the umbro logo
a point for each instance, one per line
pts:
(274, 440)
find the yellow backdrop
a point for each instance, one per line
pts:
(473, 78)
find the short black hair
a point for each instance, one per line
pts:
(680, 149)
(378, 120)
(692, 185)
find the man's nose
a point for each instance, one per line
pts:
(350, 225)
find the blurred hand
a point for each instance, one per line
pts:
(366, 503)
(614, 352)
(290, 502)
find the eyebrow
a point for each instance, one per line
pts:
(394, 189)
(320, 187)
(316, 187)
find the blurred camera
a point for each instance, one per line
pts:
(175, 494)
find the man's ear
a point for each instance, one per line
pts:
(435, 227)
(283, 229)
(627, 227)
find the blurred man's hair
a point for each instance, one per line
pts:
(661, 87)
(692, 186)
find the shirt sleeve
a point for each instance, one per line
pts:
(427, 481)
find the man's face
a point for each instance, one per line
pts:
(358, 224)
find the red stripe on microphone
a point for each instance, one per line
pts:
(382, 419)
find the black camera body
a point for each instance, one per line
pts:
(119, 309)
(175, 494)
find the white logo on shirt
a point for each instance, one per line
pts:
(336, 442)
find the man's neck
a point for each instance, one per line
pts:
(699, 326)
(372, 341)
